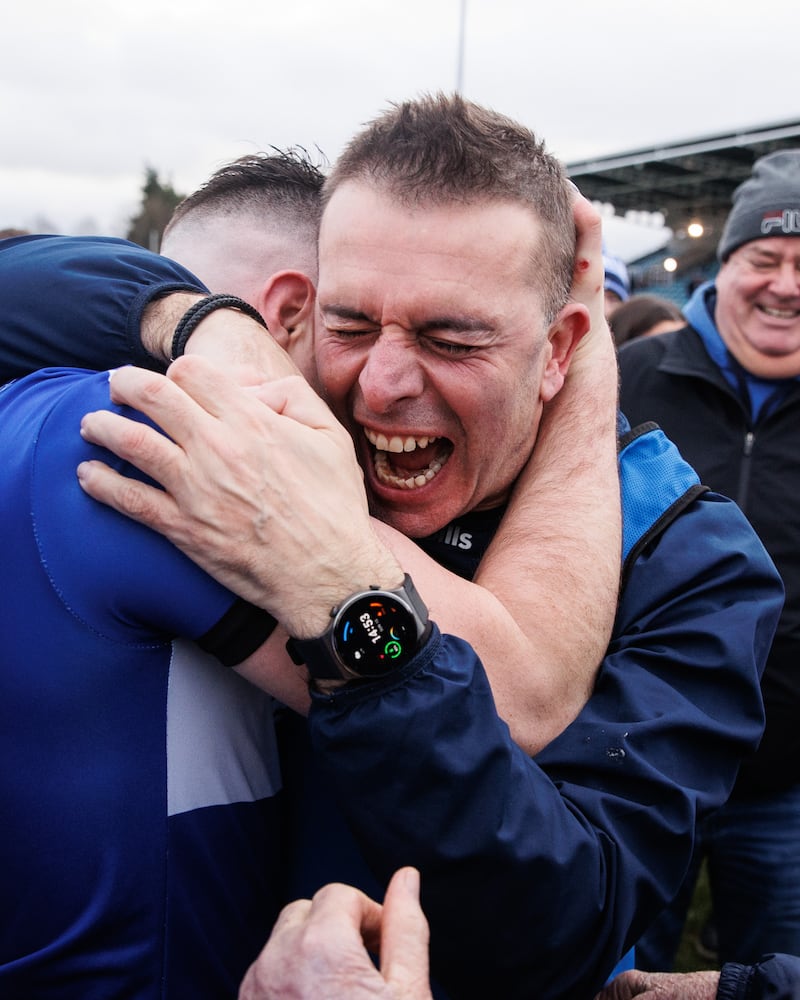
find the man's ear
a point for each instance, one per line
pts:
(564, 335)
(286, 302)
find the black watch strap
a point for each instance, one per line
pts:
(371, 633)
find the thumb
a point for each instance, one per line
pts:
(405, 935)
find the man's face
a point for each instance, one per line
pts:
(432, 349)
(758, 306)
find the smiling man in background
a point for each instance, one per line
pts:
(726, 389)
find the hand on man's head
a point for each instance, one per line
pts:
(241, 491)
(587, 284)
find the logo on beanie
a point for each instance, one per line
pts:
(786, 222)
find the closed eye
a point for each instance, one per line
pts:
(351, 332)
(450, 348)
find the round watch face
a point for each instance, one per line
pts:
(374, 634)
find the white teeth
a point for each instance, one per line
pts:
(397, 444)
(385, 475)
(384, 446)
(780, 313)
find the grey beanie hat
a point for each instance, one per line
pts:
(766, 204)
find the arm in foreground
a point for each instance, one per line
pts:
(214, 475)
(554, 563)
(243, 500)
(111, 303)
(319, 948)
(79, 301)
(572, 853)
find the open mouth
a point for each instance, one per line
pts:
(408, 462)
(779, 313)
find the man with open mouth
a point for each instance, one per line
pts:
(445, 331)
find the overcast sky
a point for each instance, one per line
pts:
(92, 91)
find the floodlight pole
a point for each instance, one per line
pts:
(461, 34)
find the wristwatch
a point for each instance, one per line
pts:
(371, 633)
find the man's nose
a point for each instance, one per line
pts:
(392, 371)
(786, 280)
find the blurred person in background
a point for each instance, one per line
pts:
(644, 316)
(726, 389)
(616, 283)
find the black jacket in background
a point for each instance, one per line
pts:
(671, 379)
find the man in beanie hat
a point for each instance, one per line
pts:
(726, 389)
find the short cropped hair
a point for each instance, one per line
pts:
(441, 149)
(285, 182)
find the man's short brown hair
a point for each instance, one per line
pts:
(442, 149)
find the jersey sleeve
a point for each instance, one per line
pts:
(539, 874)
(123, 581)
(77, 301)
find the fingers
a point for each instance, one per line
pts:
(317, 947)
(294, 398)
(351, 912)
(587, 287)
(274, 968)
(140, 445)
(316, 951)
(143, 503)
(588, 224)
(160, 397)
(195, 432)
(624, 986)
(180, 402)
(405, 936)
(133, 442)
(204, 384)
(588, 271)
(293, 915)
(661, 986)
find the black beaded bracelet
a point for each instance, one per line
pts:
(196, 313)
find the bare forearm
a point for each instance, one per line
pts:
(237, 344)
(555, 562)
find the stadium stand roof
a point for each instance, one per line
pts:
(692, 179)
(688, 181)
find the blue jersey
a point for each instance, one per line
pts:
(138, 853)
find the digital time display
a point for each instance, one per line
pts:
(373, 634)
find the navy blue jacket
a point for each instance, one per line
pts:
(537, 874)
(775, 977)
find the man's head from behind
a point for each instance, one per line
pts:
(446, 257)
(758, 286)
(251, 230)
